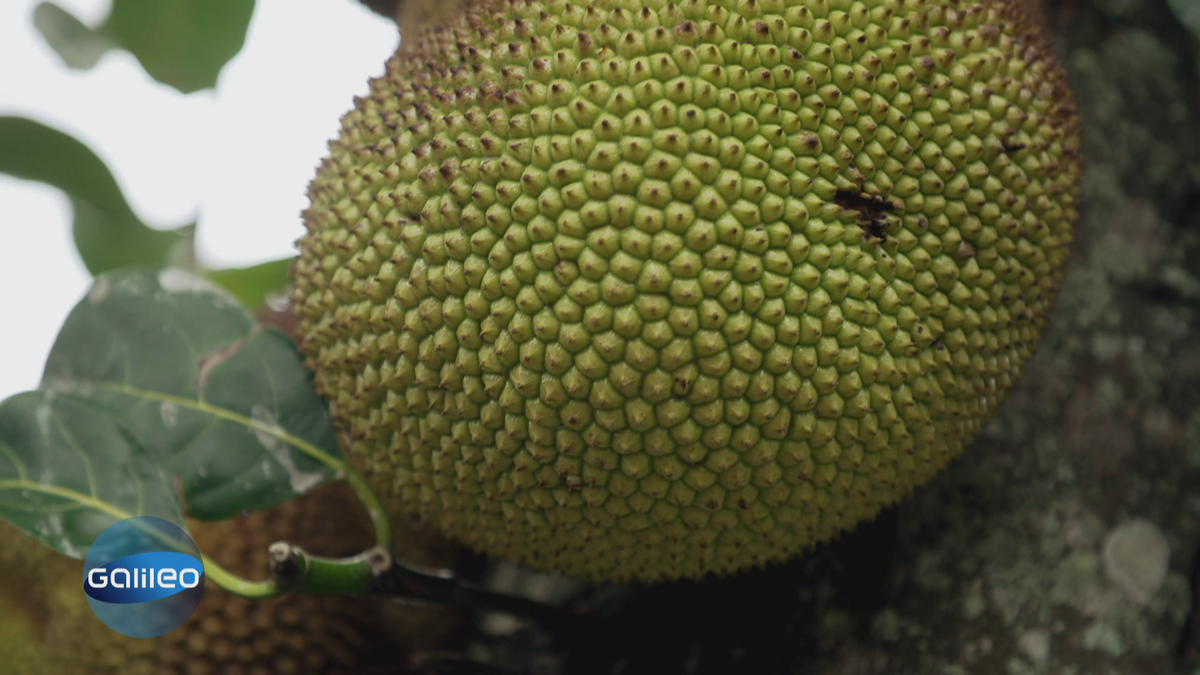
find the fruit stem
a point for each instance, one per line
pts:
(383, 526)
(442, 587)
(251, 590)
(292, 568)
(375, 572)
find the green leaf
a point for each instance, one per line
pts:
(79, 46)
(108, 234)
(183, 43)
(226, 405)
(251, 285)
(69, 468)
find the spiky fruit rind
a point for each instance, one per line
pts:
(635, 289)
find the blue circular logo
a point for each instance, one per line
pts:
(143, 576)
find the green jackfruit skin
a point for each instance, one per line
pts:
(47, 624)
(637, 289)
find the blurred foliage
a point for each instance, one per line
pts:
(79, 46)
(108, 234)
(251, 285)
(182, 43)
(1188, 12)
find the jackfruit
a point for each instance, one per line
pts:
(648, 289)
(46, 625)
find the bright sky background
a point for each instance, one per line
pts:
(239, 157)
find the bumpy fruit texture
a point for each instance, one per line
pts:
(637, 289)
(45, 617)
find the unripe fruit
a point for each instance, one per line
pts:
(637, 289)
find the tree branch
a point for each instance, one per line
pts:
(388, 8)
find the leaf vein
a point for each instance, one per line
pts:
(65, 493)
(229, 416)
(73, 443)
(22, 471)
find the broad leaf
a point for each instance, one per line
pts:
(182, 43)
(108, 234)
(226, 405)
(69, 468)
(79, 46)
(251, 285)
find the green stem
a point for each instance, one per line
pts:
(295, 569)
(244, 588)
(383, 525)
(345, 576)
(219, 575)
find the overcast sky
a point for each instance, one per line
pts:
(238, 158)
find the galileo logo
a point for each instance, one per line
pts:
(143, 577)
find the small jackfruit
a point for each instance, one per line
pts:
(647, 289)
(46, 625)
